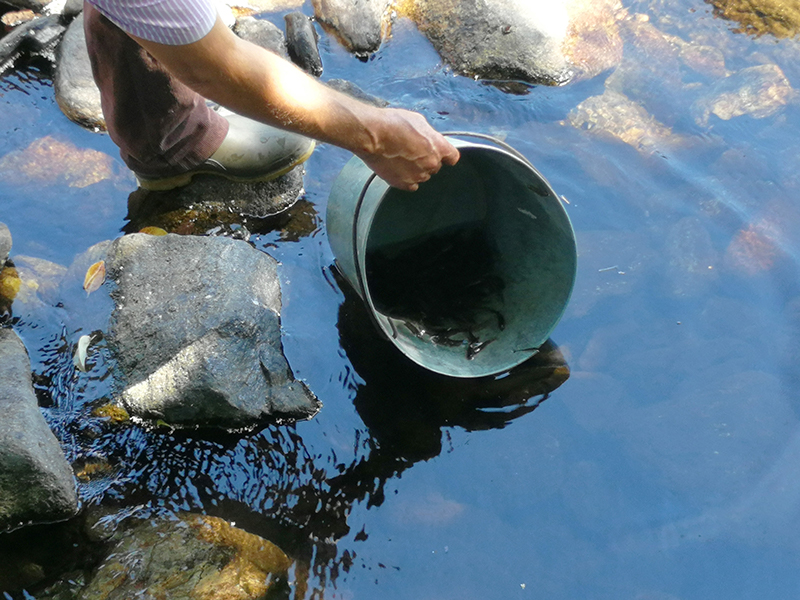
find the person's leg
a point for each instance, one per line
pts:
(162, 127)
(165, 131)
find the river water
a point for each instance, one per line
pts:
(664, 468)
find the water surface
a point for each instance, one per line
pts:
(664, 468)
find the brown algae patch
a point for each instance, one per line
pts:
(757, 17)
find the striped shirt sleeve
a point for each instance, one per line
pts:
(171, 22)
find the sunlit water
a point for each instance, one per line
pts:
(664, 468)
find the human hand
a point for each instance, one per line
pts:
(408, 151)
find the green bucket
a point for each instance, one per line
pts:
(468, 275)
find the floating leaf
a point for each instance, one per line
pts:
(153, 231)
(95, 277)
(80, 352)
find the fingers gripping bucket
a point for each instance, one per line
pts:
(468, 275)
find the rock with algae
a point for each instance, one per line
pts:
(776, 17)
(189, 557)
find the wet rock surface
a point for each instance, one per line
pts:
(36, 481)
(76, 92)
(301, 41)
(538, 42)
(212, 194)
(39, 35)
(187, 557)
(359, 25)
(195, 331)
(261, 33)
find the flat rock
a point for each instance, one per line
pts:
(532, 41)
(36, 481)
(76, 92)
(208, 194)
(5, 243)
(194, 335)
(359, 25)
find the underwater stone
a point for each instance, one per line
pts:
(196, 333)
(77, 94)
(301, 40)
(5, 243)
(189, 557)
(776, 17)
(759, 91)
(36, 481)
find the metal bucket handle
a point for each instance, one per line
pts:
(359, 275)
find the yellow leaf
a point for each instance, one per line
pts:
(95, 277)
(153, 231)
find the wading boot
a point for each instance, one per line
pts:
(250, 152)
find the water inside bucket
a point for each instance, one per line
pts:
(444, 288)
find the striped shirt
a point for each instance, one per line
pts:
(171, 22)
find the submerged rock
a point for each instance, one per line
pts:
(776, 17)
(77, 94)
(36, 481)
(615, 115)
(532, 41)
(359, 25)
(5, 243)
(194, 336)
(759, 91)
(50, 161)
(189, 557)
(301, 41)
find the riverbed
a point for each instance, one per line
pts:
(663, 468)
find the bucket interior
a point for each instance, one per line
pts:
(469, 275)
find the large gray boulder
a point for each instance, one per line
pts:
(36, 481)
(5, 244)
(194, 334)
(535, 41)
(76, 93)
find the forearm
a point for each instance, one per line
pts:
(258, 84)
(399, 145)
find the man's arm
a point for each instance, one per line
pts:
(399, 145)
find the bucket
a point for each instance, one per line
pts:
(468, 275)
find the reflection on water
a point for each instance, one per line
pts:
(662, 468)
